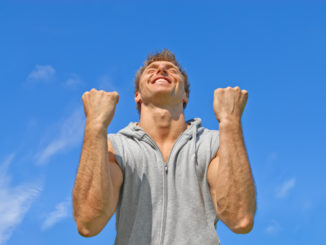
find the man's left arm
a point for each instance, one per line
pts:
(229, 175)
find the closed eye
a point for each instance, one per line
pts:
(173, 70)
(151, 70)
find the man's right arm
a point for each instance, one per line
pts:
(99, 178)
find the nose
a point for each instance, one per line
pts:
(162, 70)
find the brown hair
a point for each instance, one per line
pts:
(164, 55)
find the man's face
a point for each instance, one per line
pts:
(161, 83)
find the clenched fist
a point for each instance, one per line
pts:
(99, 106)
(229, 103)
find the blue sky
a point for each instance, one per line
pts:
(53, 51)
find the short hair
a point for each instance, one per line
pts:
(164, 55)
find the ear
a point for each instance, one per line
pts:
(185, 98)
(137, 97)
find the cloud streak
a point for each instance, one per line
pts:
(14, 201)
(273, 229)
(60, 212)
(41, 74)
(70, 134)
(73, 81)
(284, 190)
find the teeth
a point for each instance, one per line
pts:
(161, 80)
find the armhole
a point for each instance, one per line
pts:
(117, 150)
(215, 143)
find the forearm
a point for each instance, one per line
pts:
(235, 197)
(93, 190)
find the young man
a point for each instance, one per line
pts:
(169, 181)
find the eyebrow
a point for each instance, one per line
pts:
(153, 65)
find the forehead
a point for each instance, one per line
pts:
(161, 62)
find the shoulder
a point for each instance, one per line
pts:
(207, 143)
(120, 141)
(203, 132)
(126, 149)
(208, 136)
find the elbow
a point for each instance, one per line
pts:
(85, 231)
(87, 226)
(243, 226)
(90, 224)
(91, 220)
(81, 225)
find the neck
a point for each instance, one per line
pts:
(162, 124)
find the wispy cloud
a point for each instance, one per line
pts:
(70, 134)
(61, 211)
(41, 73)
(285, 188)
(273, 228)
(73, 81)
(15, 201)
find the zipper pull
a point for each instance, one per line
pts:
(166, 168)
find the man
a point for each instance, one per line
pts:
(169, 181)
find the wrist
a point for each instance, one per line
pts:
(230, 123)
(95, 126)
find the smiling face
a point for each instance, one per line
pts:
(161, 83)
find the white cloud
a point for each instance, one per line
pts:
(284, 190)
(73, 81)
(41, 73)
(70, 134)
(273, 229)
(61, 211)
(14, 201)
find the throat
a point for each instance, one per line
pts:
(166, 150)
(166, 146)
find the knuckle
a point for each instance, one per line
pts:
(112, 95)
(237, 88)
(218, 90)
(115, 94)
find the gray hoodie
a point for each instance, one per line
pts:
(165, 203)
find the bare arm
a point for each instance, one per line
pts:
(99, 178)
(229, 174)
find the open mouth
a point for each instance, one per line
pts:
(161, 80)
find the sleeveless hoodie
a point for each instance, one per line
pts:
(165, 203)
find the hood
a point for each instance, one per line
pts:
(191, 133)
(134, 131)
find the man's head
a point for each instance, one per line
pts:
(165, 63)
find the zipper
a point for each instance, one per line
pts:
(165, 184)
(165, 201)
